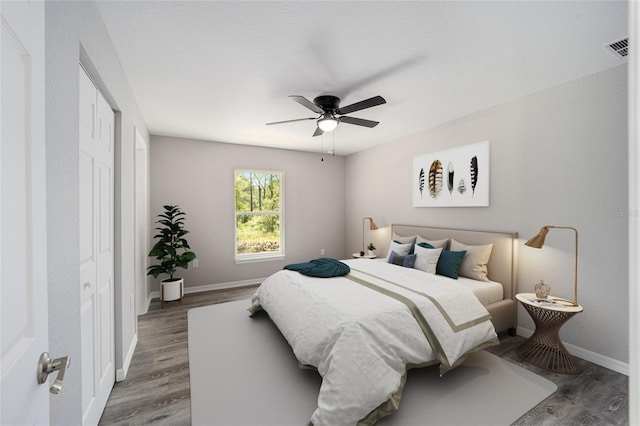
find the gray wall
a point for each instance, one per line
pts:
(198, 176)
(558, 157)
(75, 33)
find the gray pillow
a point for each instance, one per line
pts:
(405, 261)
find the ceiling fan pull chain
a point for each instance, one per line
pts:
(333, 148)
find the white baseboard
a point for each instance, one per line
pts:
(121, 373)
(587, 355)
(210, 287)
(149, 299)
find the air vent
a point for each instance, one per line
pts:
(619, 48)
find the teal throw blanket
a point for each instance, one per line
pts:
(323, 267)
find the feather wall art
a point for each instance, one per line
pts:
(464, 171)
(435, 178)
(462, 188)
(474, 173)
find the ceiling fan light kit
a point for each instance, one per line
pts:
(328, 107)
(327, 123)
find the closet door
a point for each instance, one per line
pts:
(96, 249)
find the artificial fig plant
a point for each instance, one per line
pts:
(171, 248)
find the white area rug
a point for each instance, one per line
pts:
(243, 372)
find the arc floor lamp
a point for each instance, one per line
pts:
(538, 242)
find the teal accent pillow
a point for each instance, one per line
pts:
(426, 245)
(449, 263)
(405, 261)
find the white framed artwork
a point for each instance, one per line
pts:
(457, 177)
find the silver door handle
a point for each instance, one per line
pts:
(46, 366)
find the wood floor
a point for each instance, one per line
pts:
(156, 390)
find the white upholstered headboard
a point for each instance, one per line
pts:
(503, 263)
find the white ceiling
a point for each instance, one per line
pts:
(220, 70)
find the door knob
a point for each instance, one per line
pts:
(46, 366)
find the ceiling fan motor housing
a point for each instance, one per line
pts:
(327, 103)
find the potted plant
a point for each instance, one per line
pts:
(371, 248)
(172, 251)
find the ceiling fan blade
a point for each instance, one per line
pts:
(318, 131)
(367, 103)
(291, 121)
(307, 103)
(358, 121)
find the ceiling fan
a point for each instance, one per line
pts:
(331, 113)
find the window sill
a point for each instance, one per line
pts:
(260, 258)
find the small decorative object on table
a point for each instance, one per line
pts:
(363, 255)
(542, 290)
(371, 249)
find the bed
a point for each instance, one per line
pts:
(501, 266)
(363, 330)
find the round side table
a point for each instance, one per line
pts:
(366, 256)
(544, 348)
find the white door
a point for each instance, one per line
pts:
(23, 266)
(96, 249)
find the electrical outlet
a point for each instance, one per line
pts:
(321, 252)
(195, 263)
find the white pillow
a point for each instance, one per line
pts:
(474, 263)
(435, 243)
(400, 249)
(427, 259)
(403, 240)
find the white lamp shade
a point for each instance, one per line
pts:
(327, 123)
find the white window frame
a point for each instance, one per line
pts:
(265, 256)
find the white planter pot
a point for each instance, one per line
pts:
(371, 252)
(171, 289)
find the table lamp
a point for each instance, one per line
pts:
(372, 227)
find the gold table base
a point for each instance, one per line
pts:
(544, 348)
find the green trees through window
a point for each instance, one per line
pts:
(259, 220)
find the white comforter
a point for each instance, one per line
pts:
(361, 341)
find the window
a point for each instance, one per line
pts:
(259, 215)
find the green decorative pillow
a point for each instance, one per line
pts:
(449, 262)
(407, 261)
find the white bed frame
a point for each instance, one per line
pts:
(502, 265)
